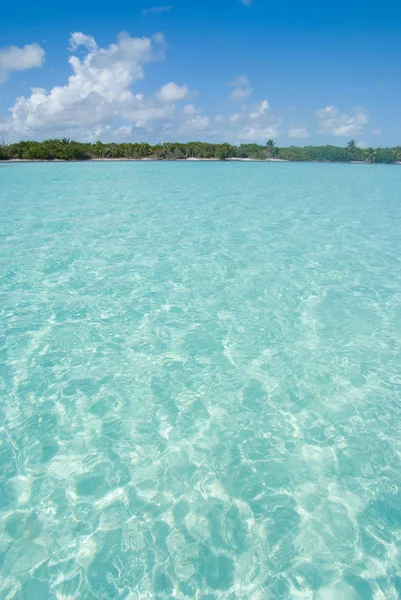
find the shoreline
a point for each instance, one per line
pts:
(40, 160)
(158, 160)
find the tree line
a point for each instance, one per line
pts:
(66, 149)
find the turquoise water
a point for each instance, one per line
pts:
(200, 381)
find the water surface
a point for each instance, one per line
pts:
(200, 381)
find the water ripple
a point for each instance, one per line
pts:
(200, 381)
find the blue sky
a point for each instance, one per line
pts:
(234, 70)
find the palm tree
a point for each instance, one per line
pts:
(397, 151)
(371, 157)
(271, 148)
(3, 148)
(351, 146)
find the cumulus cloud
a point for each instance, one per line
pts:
(155, 10)
(251, 124)
(259, 135)
(81, 39)
(101, 100)
(171, 92)
(98, 91)
(200, 123)
(242, 88)
(107, 132)
(298, 132)
(195, 125)
(241, 80)
(259, 110)
(191, 110)
(240, 94)
(332, 121)
(14, 58)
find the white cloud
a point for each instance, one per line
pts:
(377, 131)
(235, 117)
(98, 91)
(195, 125)
(201, 123)
(332, 121)
(260, 135)
(191, 110)
(362, 144)
(241, 80)
(240, 93)
(259, 110)
(246, 2)
(107, 132)
(298, 132)
(154, 10)
(258, 125)
(252, 124)
(101, 100)
(171, 92)
(20, 59)
(80, 39)
(242, 88)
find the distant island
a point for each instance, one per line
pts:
(66, 149)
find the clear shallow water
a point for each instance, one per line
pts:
(200, 381)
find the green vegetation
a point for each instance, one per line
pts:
(66, 149)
